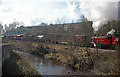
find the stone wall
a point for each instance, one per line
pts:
(6, 50)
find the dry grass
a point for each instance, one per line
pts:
(106, 63)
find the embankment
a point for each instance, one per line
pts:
(99, 61)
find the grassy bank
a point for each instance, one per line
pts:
(18, 65)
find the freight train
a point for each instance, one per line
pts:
(107, 41)
(47, 38)
(78, 40)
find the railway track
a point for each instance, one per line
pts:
(92, 49)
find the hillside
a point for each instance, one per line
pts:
(82, 28)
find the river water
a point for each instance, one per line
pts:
(48, 67)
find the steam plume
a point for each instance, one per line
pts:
(98, 12)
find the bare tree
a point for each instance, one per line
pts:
(62, 20)
(83, 19)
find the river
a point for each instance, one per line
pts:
(48, 67)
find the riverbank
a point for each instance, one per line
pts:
(99, 61)
(18, 65)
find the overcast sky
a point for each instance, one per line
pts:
(33, 12)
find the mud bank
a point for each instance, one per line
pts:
(99, 61)
(18, 65)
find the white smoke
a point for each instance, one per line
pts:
(100, 12)
(97, 11)
(111, 32)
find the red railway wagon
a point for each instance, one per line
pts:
(82, 40)
(18, 37)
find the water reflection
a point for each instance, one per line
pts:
(46, 67)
